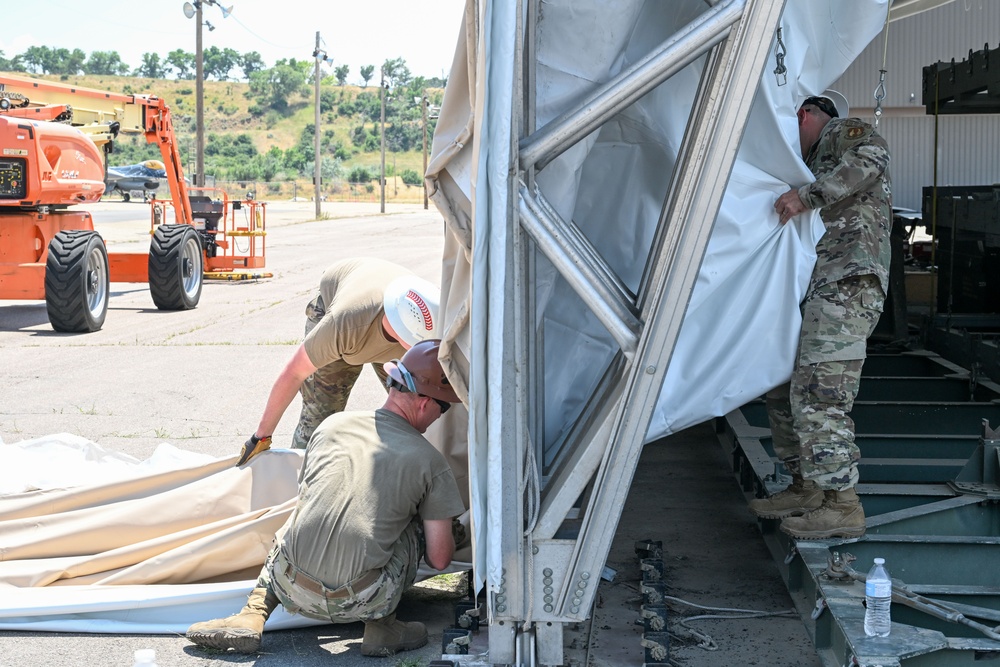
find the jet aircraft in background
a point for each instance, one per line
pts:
(142, 177)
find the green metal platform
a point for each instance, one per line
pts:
(929, 484)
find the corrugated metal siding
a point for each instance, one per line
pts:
(968, 153)
(940, 34)
(968, 146)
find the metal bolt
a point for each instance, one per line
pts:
(501, 608)
(650, 370)
(548, 608)
(547, 572)
(547, 581)
(501, 599)
(534, 550)
(576, 601)
(583, 583)
(585, 575)
(547, 589)
(575, 610)
(580, 592)
(547, 598)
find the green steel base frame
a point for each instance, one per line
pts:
(929, 471)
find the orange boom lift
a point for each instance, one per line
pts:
(54, 142)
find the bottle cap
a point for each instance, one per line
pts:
(145, 655)
(880, 561)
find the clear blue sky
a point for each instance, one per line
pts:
(356, 32)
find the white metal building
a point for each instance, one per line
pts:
(967, 144)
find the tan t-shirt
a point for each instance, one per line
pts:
(351, 329)
(364, 477)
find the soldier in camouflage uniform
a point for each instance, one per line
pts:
(374, 497)
(812, 430)
(366, 310)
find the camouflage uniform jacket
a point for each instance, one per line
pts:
(852, 190)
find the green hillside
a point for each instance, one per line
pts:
(250, 143)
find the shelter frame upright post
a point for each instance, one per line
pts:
(553, 555)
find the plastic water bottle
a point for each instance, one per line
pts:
(878, 597)
(145, 657)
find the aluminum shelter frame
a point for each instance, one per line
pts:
(560, 519)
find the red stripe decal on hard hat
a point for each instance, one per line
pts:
(425, 312)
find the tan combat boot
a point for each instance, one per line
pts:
(241, 632)
(386, 636)
(840, 515)
(800, 497)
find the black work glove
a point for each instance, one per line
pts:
(253, 447)
(458, 532)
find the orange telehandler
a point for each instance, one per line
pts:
(54, 143)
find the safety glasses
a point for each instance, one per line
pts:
(411, 386)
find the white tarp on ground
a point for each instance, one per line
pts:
(95, 541)
(740, 330)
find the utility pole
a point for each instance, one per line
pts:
(423, 113)
(199, 95)
(317, 165)
(193, 10)
(382, 134)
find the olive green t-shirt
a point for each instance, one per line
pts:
(351, 330)
(364, 477)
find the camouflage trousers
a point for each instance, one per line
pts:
(325, 391)
(347, 604)
(811, 427)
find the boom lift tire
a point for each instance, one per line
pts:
(176, 267)
(77, 282)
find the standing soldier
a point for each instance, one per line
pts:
(812, 431)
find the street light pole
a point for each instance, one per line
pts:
(423, 113)
(199, 95)
(382, 133)
(317, 165)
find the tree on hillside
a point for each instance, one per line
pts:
(366, 73)
(341, 73)
(396, 72)
(43, 60)
(250, 63)
(327, 101)
(182, 62)
(152, 67)
(71, 62)
(218, 62)
(105, 62)
(11, 64)
(272, 87)
(35, 59)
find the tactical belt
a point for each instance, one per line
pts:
(351, 588)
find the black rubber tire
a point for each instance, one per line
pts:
(126, 197)
(77, 281)
(176, 267)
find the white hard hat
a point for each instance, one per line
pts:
(838, 100)
(411, 305)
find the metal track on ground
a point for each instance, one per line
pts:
(929, 484)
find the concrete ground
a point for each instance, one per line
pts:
(198, 379)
